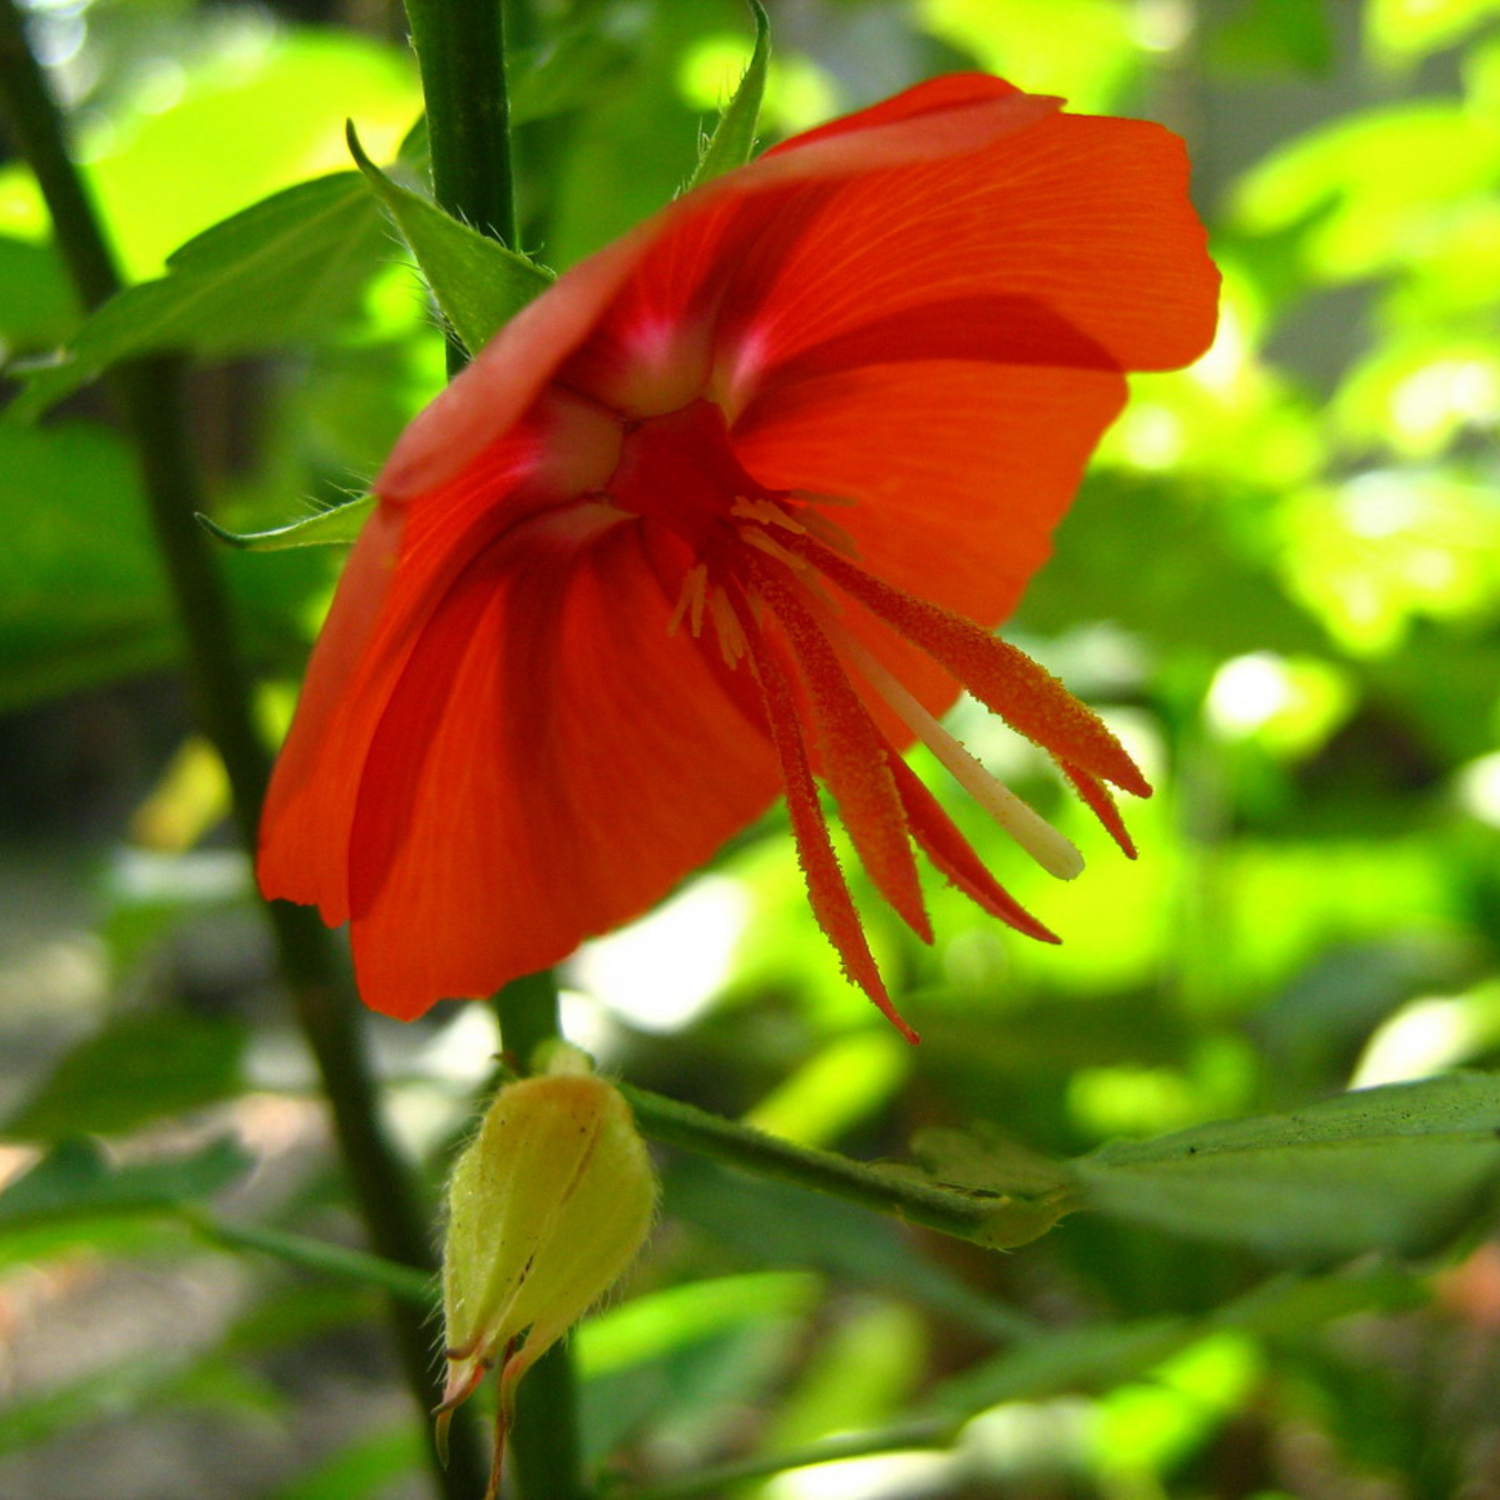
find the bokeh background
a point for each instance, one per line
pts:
(1280, 584)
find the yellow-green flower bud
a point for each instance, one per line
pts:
(547, 1206)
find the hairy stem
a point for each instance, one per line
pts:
(460, 48)
(545, 1443)
(149, 395)
(947, 1210)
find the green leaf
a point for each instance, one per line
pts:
(784, 1225)
(659, 1323)
(1401, 31)
(565, 74)
(366, 1467)
(479, 284)
(733, 140)
(1030, 1194)
(288, 270)
(335, 527)
(1096, 1356)
(82, 599)
(76, 1181)
(1398, 1169)
(320, 1256)
(137, 1069)
(1270, 36)
(37, 306)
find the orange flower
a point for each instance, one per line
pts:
(733, 507)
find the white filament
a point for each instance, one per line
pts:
(1055, 854)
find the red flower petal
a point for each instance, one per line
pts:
(502, 747)
(1086, 219)
(658, 257)
(550, 763)
(960, 472)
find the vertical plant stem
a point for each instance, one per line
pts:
(149, 394)
(460, 48)
(545, 1444)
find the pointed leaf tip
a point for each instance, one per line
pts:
(733, 141)
(478, 283)
(329, 528)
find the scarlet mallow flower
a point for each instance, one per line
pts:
(731, 509)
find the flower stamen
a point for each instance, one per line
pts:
(1055, 854)
(827, 890)
(690, 601)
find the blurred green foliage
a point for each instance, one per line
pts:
(1281, 584)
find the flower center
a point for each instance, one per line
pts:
(774, 576)
(679, 469)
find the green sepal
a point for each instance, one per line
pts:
(733, 142)
(479, 284)
(328, 528)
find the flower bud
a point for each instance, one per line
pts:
(547, 1206)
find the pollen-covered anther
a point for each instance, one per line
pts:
(690, 601)
(697, 598)
(1056, 854)
(731, 634)
(766, 511)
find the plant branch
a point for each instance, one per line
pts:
(460, 46)
(545, 1441)
(319, 1256)
(149, 395)
(948, 1210)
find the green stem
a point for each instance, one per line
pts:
(149, 395)
(545, 1442)
(947, 1210)
(319, 1256)
(460, 47)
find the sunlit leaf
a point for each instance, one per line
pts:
(1089, 1357)
(1368, 189)
(651, 1326)
(251, 108)
(479, 284)
(287, 270)
(1087, 50)
(1406, 30)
